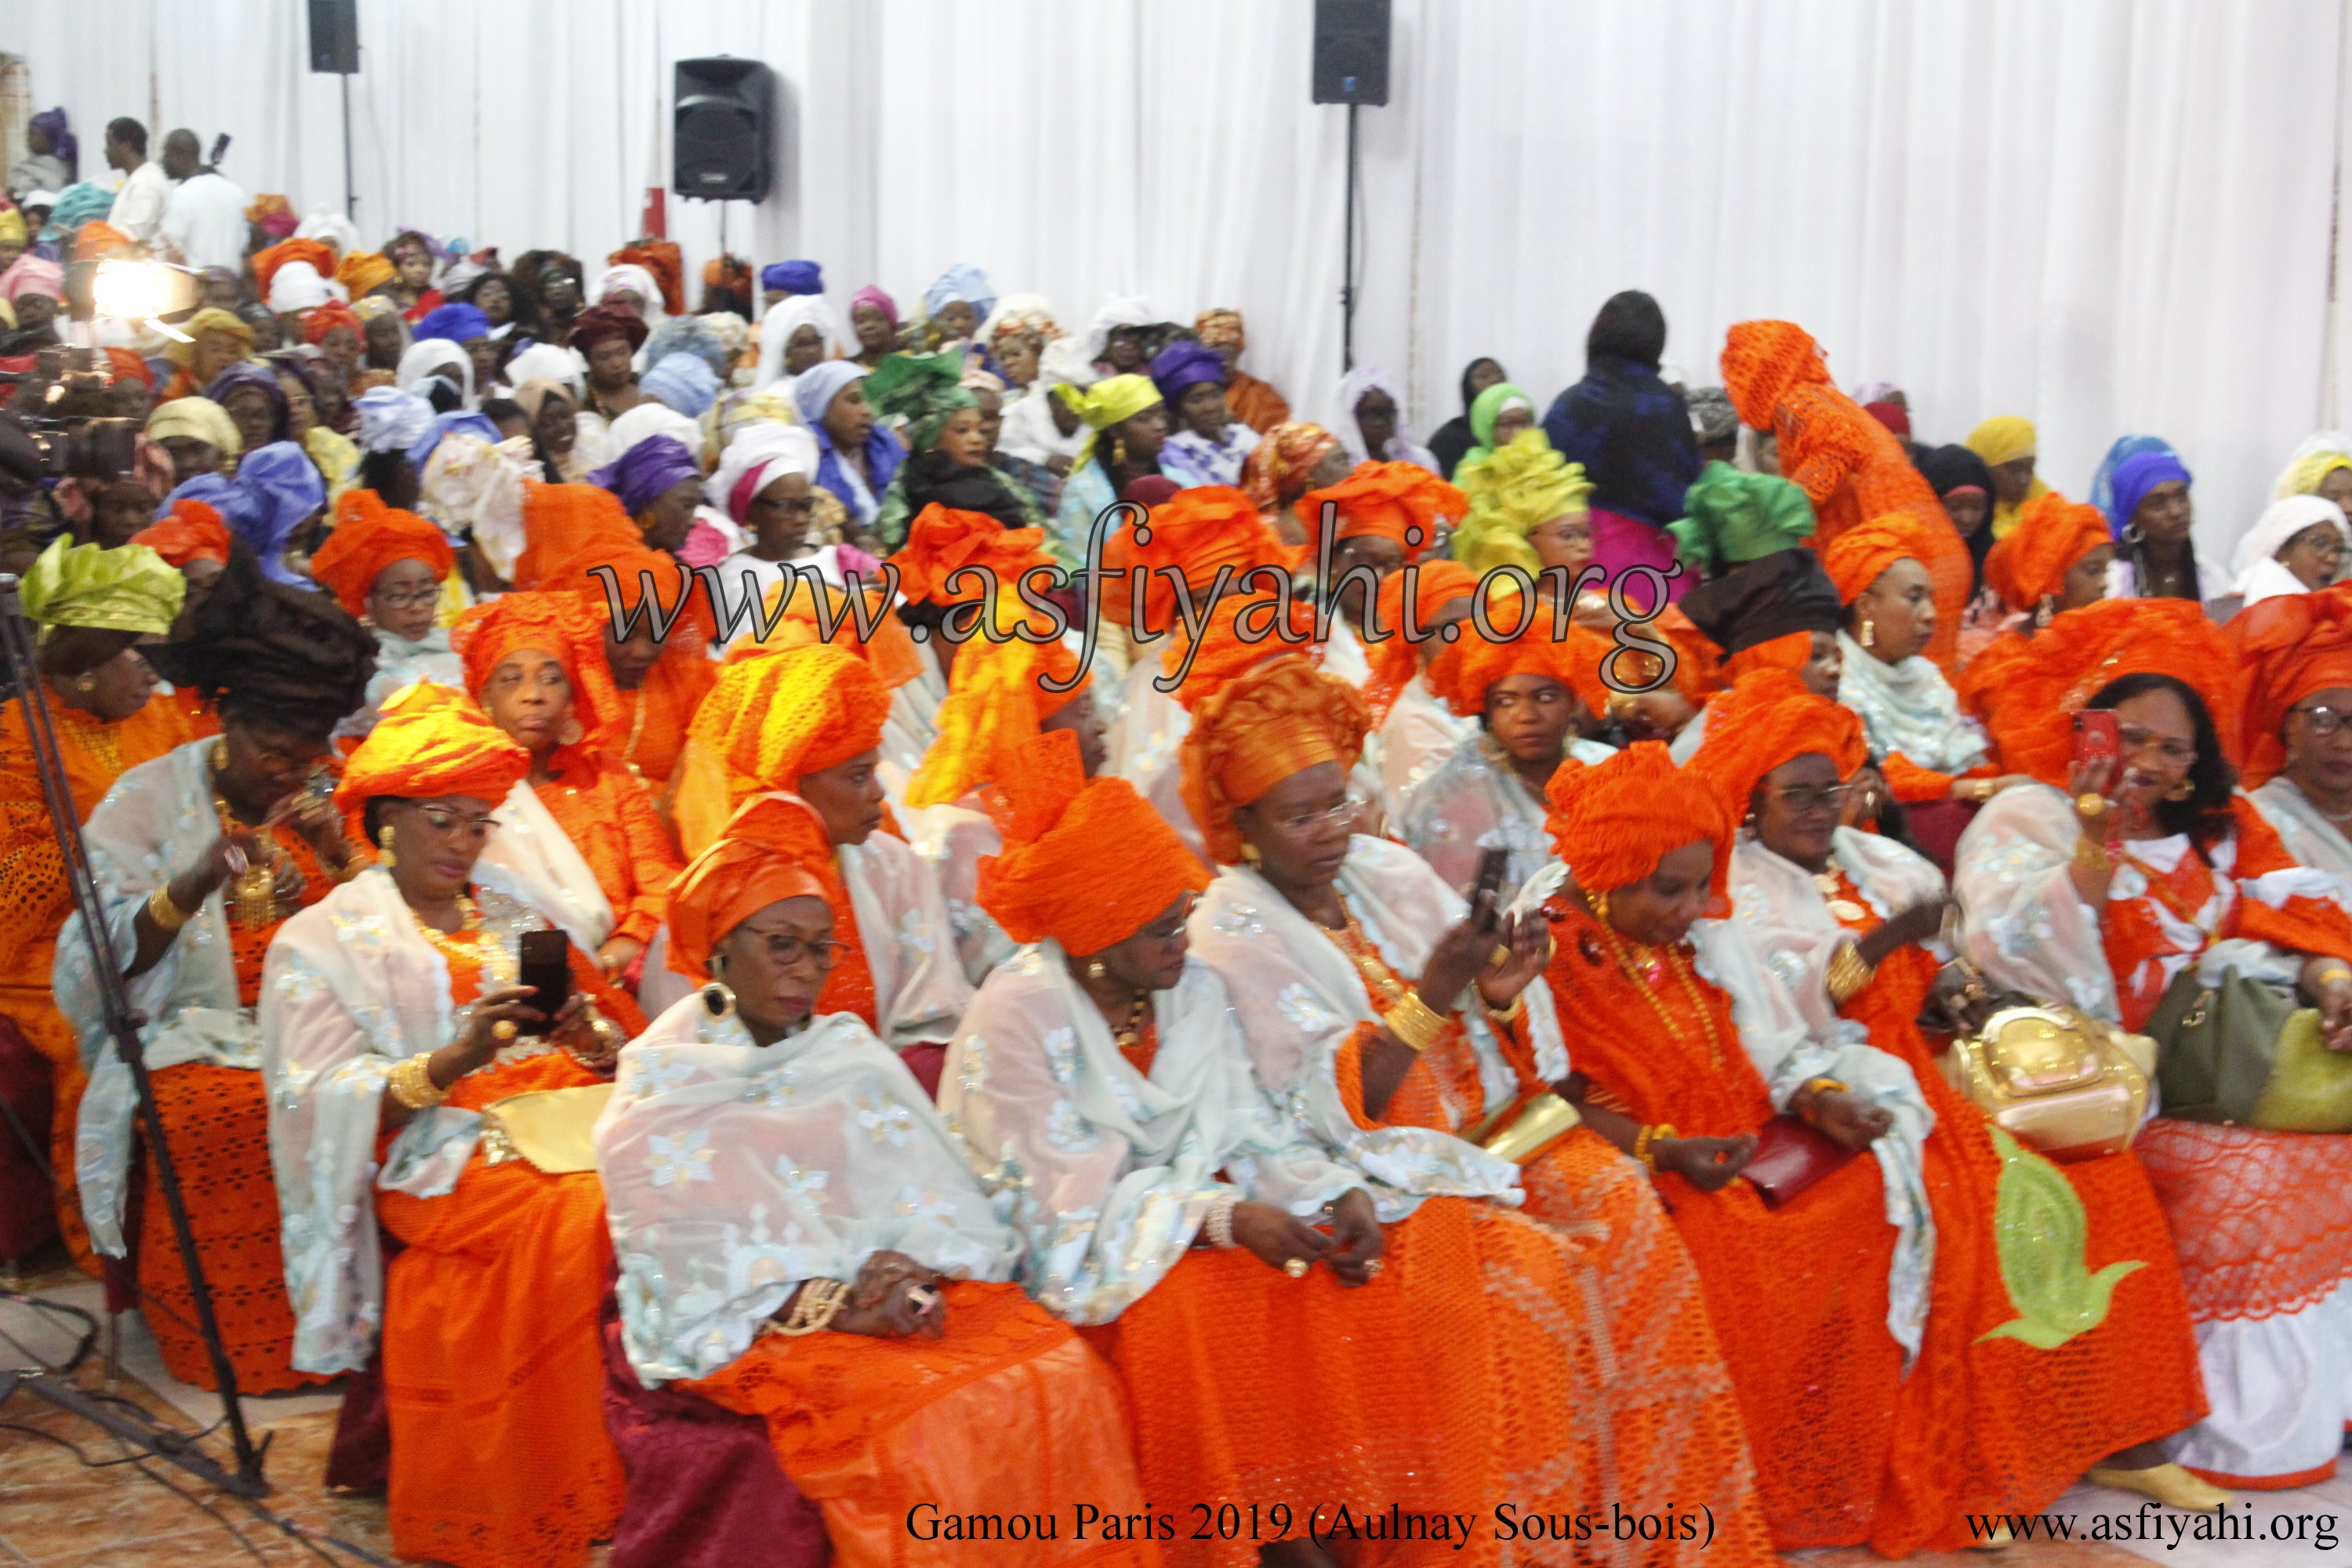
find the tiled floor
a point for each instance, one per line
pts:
(58, 1513)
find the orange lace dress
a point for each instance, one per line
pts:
(610, 819)
(35, 900)
(654, 715)
(493, 1358)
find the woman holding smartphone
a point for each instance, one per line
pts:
(392, 1018)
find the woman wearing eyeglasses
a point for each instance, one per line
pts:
(392, 1028)
(802, 1238)
(2297, 734)
(385, 566)
(2114, 883)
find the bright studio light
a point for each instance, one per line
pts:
(143, 292)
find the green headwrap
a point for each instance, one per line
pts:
(1735, 517)
(1487, 407)
(128, 589)
(921, 389)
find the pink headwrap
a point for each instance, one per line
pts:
(871, 295)
(739, 497)
(31, 274)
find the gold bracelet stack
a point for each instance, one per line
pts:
(2092, 856)
(411, 1083)
(167, 915)
(814, 1308)
(1817, 1087)
(2333, 973)
(1218, 1228)
(1414, 1022)
(1646, 1142)
(1848, 972)
(1509, 1017)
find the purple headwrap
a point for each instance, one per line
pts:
(641, 474)
(455, 322)
(793, 278)
(274, 493)
(245, 372)
(2133, 479)
(1186, 364)
(51, 122)
(871, 295)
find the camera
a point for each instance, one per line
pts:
(35, 446)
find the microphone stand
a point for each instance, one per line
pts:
(136, 1429)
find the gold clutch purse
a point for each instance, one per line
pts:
(549, 1128)
(2062, 1083)
(1527, 1127)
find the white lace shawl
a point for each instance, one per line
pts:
(1415, 740)
(1787, 919)
(350, 990)
(1909, 707)
(1111, 1172)
(920, 989)
(536, 860)
(1299, 998)
(1475, 801)
(951, 839)
(733, 1172)
(2307, 833)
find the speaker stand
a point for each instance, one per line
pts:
(351, 196)
(1348, 263)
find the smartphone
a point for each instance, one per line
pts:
(546, 967)
(1485, 893)
(2098, 736)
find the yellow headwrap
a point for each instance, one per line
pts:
(1512, 493)
(2004, 438)
(198, 416)
(212, 318)
(2303, 476)
(12, 225)
(1104, 405)
(128, 589)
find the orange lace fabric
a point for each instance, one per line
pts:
(654, 717)
(611, 821)
(1991, 1424)
(2263, 1219)
(493, 1361)
(1606, 1375)
(34, 899)
(1009, 1414)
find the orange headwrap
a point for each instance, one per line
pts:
(1194, 534)
(995, 704)
(1761, 361)
(800, 711)
(1280, 628)
(334, 313)
(556, 519)
(2288, 648)
(1435, 585)
(1049, 880)
(559, 625)
(266, 263)
(365, 271)
(97, 240)
(2051, 535)
(774, 847)
(370, 536)
(1266, 724)
(941, 541)
(623, 550)
(1769, 718)
(2031, 715)
(124, 365)
(890, 652)
(430, 742)
(191, 531)
(1856, 558)
(1574, 660)
(663, 258)
(1403, 502)
(1279, 468)
(1791, 653)
(1613, 822)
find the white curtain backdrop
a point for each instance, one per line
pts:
(2112, 215)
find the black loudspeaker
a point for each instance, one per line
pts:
(722, 130)
(335, 36)
(1351, 51)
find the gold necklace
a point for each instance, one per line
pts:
(469, 922)
(1129, 1035)
(637, 730)
(253, 892)
(1672, 960)
(1842, 909)
(1358, 947)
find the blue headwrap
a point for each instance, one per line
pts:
(206, 488)
(1185, 363)
(82, 201)
(420, 450)
(275, 491)
(455, 322)
(2102, 483)
(814, 388)
(685, 382)
(245, 373)
(964, 282)
(2134, 478)
(641, 474)
(392, 420)
(793, 278)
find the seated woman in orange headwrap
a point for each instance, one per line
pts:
(93, 608)
(809, 721)
(1845, 917)
(391, 1022)
(1822, 1297)
(2129, 886)
(1396, 1024)
(1171, 1208)
(801, 1238)
(1383, 515)
(583, 837)
(2054, 560)
(385, 566)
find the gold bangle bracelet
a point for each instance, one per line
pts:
(167, 915)
(1414, 1022)
(1646, 1142)
(1848, 974)
(2330, 974)
(411, 1083)
(2092, 856)
(814, 1308)
(1509, 1015)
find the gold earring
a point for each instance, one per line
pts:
(1599, 904)
(2181, 791)
(1118, 449)
(1095, 970)
(2046, 611)
(383, 846)
(1869, 637)
(570, 734)
(1249, 853)
(718, 1001)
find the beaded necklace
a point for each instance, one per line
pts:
(1671, 960)
(1352, 940)
(470, 926)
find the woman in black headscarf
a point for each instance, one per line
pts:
(1964, 484)
(1632, 431)
(1452, 441)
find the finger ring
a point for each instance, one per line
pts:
(504, 1029)
(1296, 1267)
(1502, 953)
(920, 1297)
(2091, 803)
(1373, 1270)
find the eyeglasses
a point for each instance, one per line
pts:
(440, 819)
(2323, 721)
(787, 951)
(2135, 738)
(1805, 799)
(1345, 811)
(1169, 929)
(415, 599)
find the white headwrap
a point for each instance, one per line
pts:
(649, 419)
(1065, 362)
(392, 420)
(1129, 310)
(296, 286)
(637, 280)
(334, 228)
(2254, 564)
(548, 362)
(781, 449)
(786, 317)
(426, 360)
(1341, 420)
(470, 483)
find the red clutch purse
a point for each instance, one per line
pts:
(1792, 1154)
